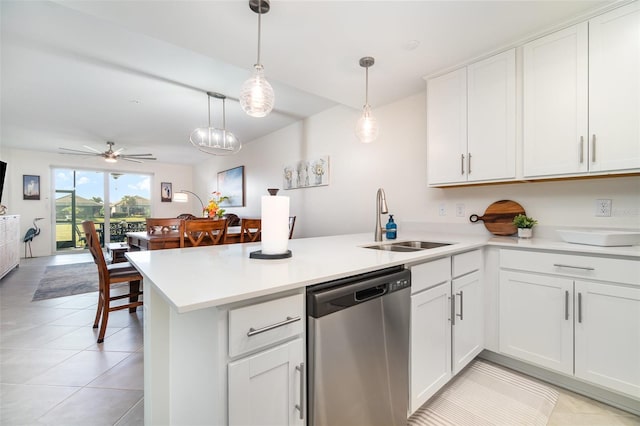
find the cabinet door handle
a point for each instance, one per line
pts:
(462, 164)
(453, 309)
(579, 307)
(461, 306)
(252, 331)
(566, 305)
(469, 163)
(581, 149)
(300, 407)
(593, 148)
(585, 268)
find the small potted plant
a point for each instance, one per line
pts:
(525, 225)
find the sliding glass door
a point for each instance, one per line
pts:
(116, 202)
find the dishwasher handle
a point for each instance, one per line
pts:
(370, 293)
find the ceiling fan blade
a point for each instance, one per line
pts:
(92, 149)
(135, 155)
(76, 150)
(118, 151)
(132, 160)
(87, 154)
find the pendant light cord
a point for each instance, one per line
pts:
(209, 108)
(259, 28)
(366, 90)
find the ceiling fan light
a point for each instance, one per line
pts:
(367, 126)
(256, 95)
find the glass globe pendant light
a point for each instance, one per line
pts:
(367, 126)
(256, 94)
(213, 140)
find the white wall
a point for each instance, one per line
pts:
(21, 162)
(397, 162)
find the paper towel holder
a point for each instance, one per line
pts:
(258, 254)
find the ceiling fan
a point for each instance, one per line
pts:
(110, 155)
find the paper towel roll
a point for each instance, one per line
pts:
(275, 224)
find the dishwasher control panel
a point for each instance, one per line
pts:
(399, 284)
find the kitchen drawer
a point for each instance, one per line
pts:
(465, 263)
(263, 324)
(623, 271)
(430, 274)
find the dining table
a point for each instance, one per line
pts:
(167, 240)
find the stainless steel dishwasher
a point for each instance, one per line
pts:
(358, 350)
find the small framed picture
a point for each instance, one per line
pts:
(30, 187)
(165, 192)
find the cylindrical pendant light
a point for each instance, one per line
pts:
(213, 140)
(256, 94)
(367, 127)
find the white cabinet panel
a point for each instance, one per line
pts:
(265, 388)
(607, 336)
(536, 319)
(556, 103)
(491, 140)
(447, 127)
(9, 243)
(614, 89)
(430, 343)
(468, 326)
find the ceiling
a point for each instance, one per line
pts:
(76, 73)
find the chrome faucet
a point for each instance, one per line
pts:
(381, 208)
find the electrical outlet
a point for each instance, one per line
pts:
(460, 210)
(442, 209)
(603, 208)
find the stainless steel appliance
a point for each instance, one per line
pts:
(358, 350)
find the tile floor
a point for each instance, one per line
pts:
(53, 372)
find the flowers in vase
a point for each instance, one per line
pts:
(213, 209)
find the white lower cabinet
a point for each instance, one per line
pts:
(447, 322)
(430, 343)
(607, 335)
(536, 319)
(268, 388)
(560, 312)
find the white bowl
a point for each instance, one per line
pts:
(600, 237)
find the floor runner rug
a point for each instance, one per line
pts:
(67, 280)
(485, 394)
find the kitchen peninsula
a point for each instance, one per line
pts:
(195, 298)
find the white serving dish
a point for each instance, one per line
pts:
(600, 237)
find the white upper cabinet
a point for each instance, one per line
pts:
(614, 89)
(555, 103)
(471, 122)
(447, 127)
(582, 97)
(491, 104)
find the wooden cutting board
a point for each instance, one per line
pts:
(498, 218)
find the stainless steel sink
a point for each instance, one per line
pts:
(407, 246)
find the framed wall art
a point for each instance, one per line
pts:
(231, 184)
(30, 187)
(307, 173)
(166, 193)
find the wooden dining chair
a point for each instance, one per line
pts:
(203, 232)
(163, 225)
(109, 274)
(250, 230)
(292, 223)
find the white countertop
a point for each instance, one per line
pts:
(200, 277)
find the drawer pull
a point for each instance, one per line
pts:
(300, 407)
(461, 306)
(585, 268)
(252, 331)
(579, 307)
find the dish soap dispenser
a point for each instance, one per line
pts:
(392, 229)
